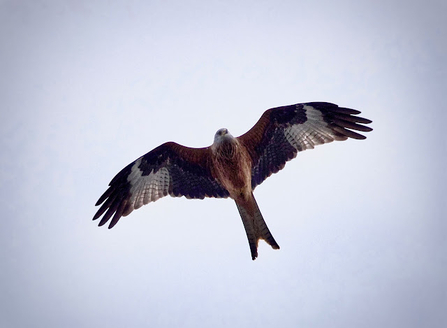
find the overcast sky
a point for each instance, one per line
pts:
(86, 87)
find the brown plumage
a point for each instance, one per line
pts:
(230, 167)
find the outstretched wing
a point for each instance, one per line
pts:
(170, 169)
(282, 132)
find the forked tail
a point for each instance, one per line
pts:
(254, 225)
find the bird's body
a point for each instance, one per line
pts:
(233, 171)
(230, 167)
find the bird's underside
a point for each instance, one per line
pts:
(230, 167)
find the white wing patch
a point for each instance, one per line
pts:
(312, 132)
(148, 188)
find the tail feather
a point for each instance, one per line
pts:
(254, 225)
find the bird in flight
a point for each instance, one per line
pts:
(230, 167)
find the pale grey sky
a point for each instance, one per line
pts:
(88, 86)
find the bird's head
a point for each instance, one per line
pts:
(224, 143)
(222, 135)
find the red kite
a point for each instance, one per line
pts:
(230, 167)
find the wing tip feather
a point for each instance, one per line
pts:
(349, 133)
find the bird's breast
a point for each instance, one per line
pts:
(232, 165)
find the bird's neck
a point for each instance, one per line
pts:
(226, 148)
